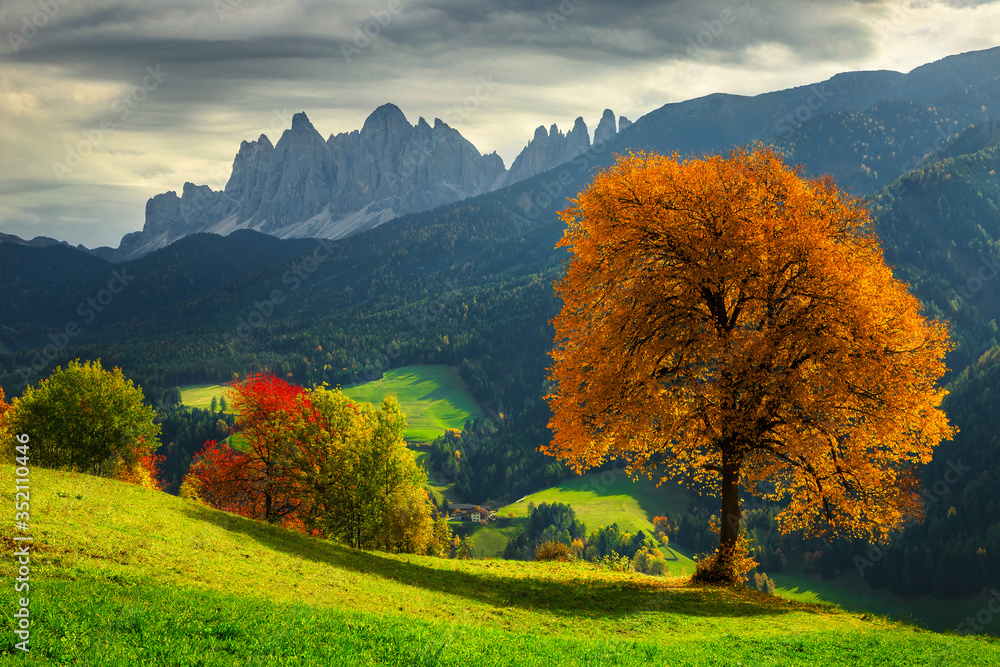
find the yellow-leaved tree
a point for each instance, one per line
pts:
(728, 320)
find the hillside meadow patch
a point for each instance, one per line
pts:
(125, 575)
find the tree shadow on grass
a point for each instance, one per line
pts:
(577, 595)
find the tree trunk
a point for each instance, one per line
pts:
(729, 530)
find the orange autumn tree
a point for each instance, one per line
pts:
(728, 320)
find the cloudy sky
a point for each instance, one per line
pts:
(105, 103)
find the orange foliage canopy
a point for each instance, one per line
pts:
(725, 317)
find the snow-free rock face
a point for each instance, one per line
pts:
(550, 149)
(306, 187)
(606, 128)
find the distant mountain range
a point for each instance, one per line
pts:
(878, 133)
(307, 187)
(37, 242)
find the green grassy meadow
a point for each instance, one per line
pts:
(434, 399)
(601, 499)
(200, 395)
(439, 491)
(126, 576)
(490, 541)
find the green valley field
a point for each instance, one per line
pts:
(600, 499)
(434, 398)
(201, 395)
(121, 576)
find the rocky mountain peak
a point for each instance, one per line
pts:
(301, 124)
(606, 128)
(578, 139)
(303, 186)
(548, 150)
(387, 118)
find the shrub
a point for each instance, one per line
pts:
(554, 551)
(763, 583)
(658, 567)
(614, 562)
(190, 488)
(87, 419)
(725, 566)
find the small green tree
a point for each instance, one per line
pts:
(466, 550)
(409, 526)
(86, 419)
(657, 567)
(441, 543)
(367, 483)
(215, 404)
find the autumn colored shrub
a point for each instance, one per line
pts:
(555, 551)
(726, 565)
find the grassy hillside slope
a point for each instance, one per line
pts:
(121, 575)
(632, 505)
(851, 592)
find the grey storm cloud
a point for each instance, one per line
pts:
(224, 51)
(639, 29)
(107, 34)
(233, 69)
